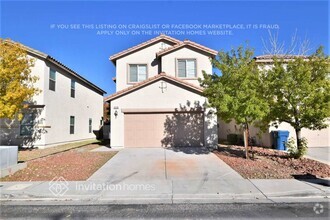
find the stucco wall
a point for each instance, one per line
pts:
(54, 119)
(143, 56)
(169, 63)
(315, 138)
(10, 129)
(60, 106)
(151, 97)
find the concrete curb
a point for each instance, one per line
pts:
(13, 169)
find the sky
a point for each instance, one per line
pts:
(84, 34)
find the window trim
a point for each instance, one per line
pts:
(73, 89)
(177, 68)
(128, 80)
(73, 125)
(53, 80)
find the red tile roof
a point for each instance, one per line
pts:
(151, 80)
(188, 43)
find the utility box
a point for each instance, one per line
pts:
(279, 139)
(8, 156)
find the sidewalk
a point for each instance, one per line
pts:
(168, 191)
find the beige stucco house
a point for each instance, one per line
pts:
(315, 138)
(68, 108)
(158, 100)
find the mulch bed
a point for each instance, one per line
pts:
(271, 164)
(73, 165)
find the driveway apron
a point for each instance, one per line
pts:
(144, 164)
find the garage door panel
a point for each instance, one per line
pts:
(164, 129)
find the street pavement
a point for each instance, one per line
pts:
(178, 211)
(166, 176)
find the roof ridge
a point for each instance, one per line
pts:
(265, 56)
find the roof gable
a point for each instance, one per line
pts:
(130, 50)
(151, 80)
(188, 43)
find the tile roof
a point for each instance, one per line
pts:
(188, 43)
(58, 64)
(270, 57)
(114, 57)
(149, 81)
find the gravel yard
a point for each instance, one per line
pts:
(73, 165)
(34, 153)
(271, 164)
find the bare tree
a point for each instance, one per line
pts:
(297, 46)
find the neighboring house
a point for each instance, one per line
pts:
(158, 100)
(68, 109)
(315, 138)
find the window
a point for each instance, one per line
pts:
(71, 124)
(73, 88)
(90, 125)
(137, 72)
(187, 68)
(27, 124)
(52, 79)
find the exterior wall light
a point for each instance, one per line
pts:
(116, 113)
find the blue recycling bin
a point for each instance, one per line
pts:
(281, 139)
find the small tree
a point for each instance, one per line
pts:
(300, 91)
(15, 79)
(237, 94)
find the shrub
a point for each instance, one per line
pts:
(293, 150)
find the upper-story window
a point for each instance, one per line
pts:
(52, 79)
(73, 88)
(186, 68)
(137, 73)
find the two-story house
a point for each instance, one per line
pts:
(68, 108)
(315, 138)
(158, 100)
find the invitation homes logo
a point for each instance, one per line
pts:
(58, 186)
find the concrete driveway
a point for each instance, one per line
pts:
(320, 154)
(134, 164)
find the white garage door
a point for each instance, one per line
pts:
(164, 129)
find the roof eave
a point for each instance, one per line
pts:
(212, 53)
(149, 81)
(65, 68)
(142, 45)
